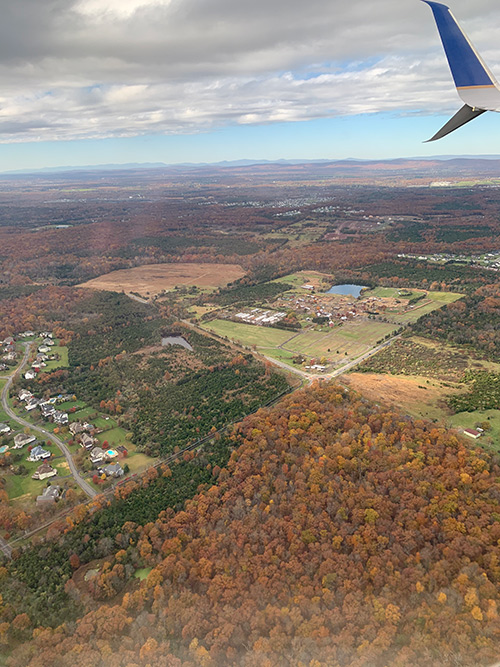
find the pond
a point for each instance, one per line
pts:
(346, 290)
(176, 340)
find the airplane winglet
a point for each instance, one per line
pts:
(464, 115)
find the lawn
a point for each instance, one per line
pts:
(62, 362)
(104, 422)
(248, 334)
(82, 414)
(491, 438)
(19, 486)
(114, 436)
(135, 460)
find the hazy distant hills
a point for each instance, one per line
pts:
(434, 168)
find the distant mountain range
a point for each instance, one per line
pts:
(438, 165)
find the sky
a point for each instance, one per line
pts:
(116, 81)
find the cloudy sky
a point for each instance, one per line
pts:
(96, 81)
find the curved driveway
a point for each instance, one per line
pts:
(85, 486)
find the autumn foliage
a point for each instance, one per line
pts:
(339, 534)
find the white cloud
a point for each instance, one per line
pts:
(99, 68)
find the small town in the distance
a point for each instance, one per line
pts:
(250, 415)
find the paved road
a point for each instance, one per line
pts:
(85, 486)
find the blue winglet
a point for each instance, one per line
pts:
(466, 66)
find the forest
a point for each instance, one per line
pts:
(337, 534)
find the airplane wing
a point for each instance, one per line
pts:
(475, 84)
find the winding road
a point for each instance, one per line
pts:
(85, 486)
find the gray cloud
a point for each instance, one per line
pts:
(99, 68)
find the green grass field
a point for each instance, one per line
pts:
(301, 278)
(334, 343)
(115, 436)
(249, 334)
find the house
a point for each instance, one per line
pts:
(4, 428)
(87, 441)
(3, 367)
(97, 455)
(60, 418)
(38, 454)
(31, 403)
(24, 394)
(46, 334)
(22, 439)
(44, 471)
(49, 496)
(30, 375)
(113, 470)
(472, 433)
(44, 349)
(47, 410)
(48, 341)
(75, 428)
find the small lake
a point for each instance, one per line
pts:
(176, 340)
(346, 290)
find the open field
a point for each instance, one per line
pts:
(415, 395)
(305, 278)
(152, 279)
(491, 438)
(350, 340)
(248, 334)
(430, 302)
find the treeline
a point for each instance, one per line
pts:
(339, 534)
(249, 294)
(472, 322)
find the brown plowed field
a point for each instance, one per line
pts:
(151, 279)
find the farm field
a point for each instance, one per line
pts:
(415, 395)
(152, 279)
(352, 339)
(431, 302)
(248, 334)
(300, 278)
